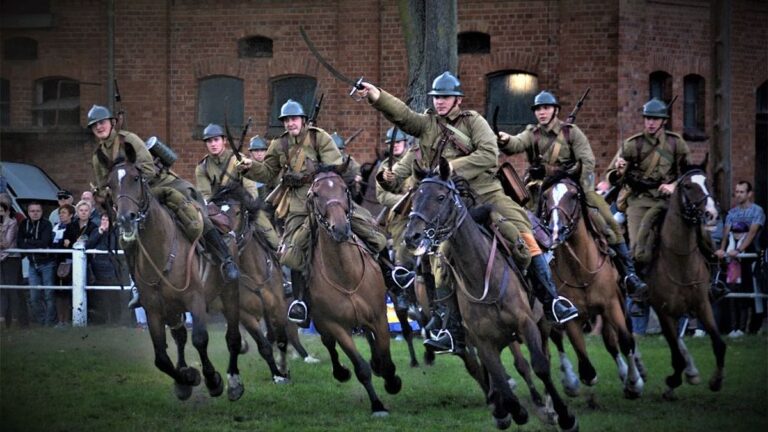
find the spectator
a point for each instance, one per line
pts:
(64, 235)
(742, 226)
(95, 215)
(64, 197)
(37, 233)
(12, 302)
(107, 302)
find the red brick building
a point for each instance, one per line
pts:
(173, 60)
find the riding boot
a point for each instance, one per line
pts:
(135, 301)
(557, 309)
(298, 311)
(637, 289)
(219, 248)
(450, 338)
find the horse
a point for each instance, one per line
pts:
(494, 307)
(679, 276)
(169, 287)
(261, 282)
(346, 287)
(583, 272)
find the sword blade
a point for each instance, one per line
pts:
(338, 75)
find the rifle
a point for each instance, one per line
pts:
(316, 111)
(572, 116)
(243, 135)
(231, 141)
(391, 148)
(119, 105)
(354, 135)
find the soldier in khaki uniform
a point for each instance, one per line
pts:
(561, 145)
(648, 165)
(177, 194)
(293, 158)
(470, 146)
(219, 169)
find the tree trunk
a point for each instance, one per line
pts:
(430, 32)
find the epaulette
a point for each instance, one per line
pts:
(635, 136)
(674, 134)
(468, 113)
(316, 128)
(205, 158)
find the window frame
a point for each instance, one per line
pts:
(512, 119)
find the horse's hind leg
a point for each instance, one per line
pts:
(402, 317)
(569, 379)
(340, 372)
(565, 420)
(669, 329)
(184, 381)
(633, 381)
(718, 346)
(362, 371)
(251, 324)
(587, 372)
(505, 403)
(381, 356)
(523, 368)
(230, 299)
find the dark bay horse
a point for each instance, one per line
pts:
(346, 287)
(679, 276)
(583, 272)
(491, 297)
(172, 278)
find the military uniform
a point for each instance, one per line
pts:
(216, 171)
(395, 222)
(561, 144)
(304, 153)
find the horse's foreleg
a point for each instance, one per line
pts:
(505, 403)
(633, 381)
(200, 341)
(542, 410)
(669, 329)
(362, 371)
(230, 299)
(405, 326)
(718, 346)
(540, 364)
(179, 334)
(251, 324)
(569, 379)
(184, 380)
(587, 372)
(340, 372)
(382, 356)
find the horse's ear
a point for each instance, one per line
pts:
(445, 169)
(419, 172)
(705, 162)
(130, 154)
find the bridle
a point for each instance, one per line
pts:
(693, 210)
(438, 230)
(571, 217)
(142, 205)
(320, 217)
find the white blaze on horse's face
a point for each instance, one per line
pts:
(558, 193)
(710, 209)
(120, 177)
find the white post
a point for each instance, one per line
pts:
(79, 281)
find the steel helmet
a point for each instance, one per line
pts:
(400, 136)
(544, 98)
(340, 144)
(213, 130)
(656, 109)
(98, 113)
(257, 143)
(446, 85)
(291, 108)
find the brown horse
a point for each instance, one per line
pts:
(346, 287)
(679, 276)
(261, 283)
(491, 298)
(169, 286)
(583, 272)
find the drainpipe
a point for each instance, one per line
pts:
(111, 55)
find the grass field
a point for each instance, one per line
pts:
(104, 379)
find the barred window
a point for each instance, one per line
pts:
(512, 92)
(300, 88)
(254, 47)
(57, 102)
(217, 95)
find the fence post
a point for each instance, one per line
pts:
(79, 281)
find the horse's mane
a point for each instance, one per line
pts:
(237, 192)
(341, 170)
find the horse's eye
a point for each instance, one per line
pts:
(441, 198)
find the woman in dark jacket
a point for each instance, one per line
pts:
(64, 235)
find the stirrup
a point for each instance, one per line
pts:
(441, 342)
(298, 313)
(403, 277)
(568, 305)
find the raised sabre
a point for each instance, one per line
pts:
(356, 84)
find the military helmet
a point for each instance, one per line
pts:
(399, 136)
(655, 108)
(291, 108)
(213, 130)
(544, 98)
(257, 143)
(340, 144)
(98, 113)
(446, 85)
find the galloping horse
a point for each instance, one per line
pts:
(583, 272)
(679, 276)
(490, 293)
(261, 283)
(346, 287)
(169, 286)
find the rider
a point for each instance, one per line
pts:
(562, 145)
(402, 274)
(293, 158)
(467, 141)
(218, 169)
(177, 194)
(648, 165)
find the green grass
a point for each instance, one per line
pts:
(104, 379)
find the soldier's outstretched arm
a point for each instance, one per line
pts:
(395, 110)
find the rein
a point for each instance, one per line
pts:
(320, 218)
(438, 231)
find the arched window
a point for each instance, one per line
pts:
(300, 88)
(20, 48)
(254, 47)
(57, 102)
(474, 43)
(513, 93)
(661, 88)
(693, 107)
(217, 94)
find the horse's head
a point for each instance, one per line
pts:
(330, 201)
(130, 192)
(696, 202)
(437, 210)
(561, 208)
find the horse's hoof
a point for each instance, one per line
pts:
(590, 382)
(630, 394)
(503, 423)
(574, 425)
(215, 385)
(673, 381)
(191, 376)
(571, 390)
(380, 414)
(235, 388)
(521, 416)
(377, 409)
(546, 415)
(716, 383)
(669, 395)
(311, 360)
(693, 379)
(512, 384)
(182, 391)
(393, 386)
(414, 363)
(277, 379)
(342, 374)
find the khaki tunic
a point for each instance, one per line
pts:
(396, 223)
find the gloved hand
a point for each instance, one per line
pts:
(537, 172)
